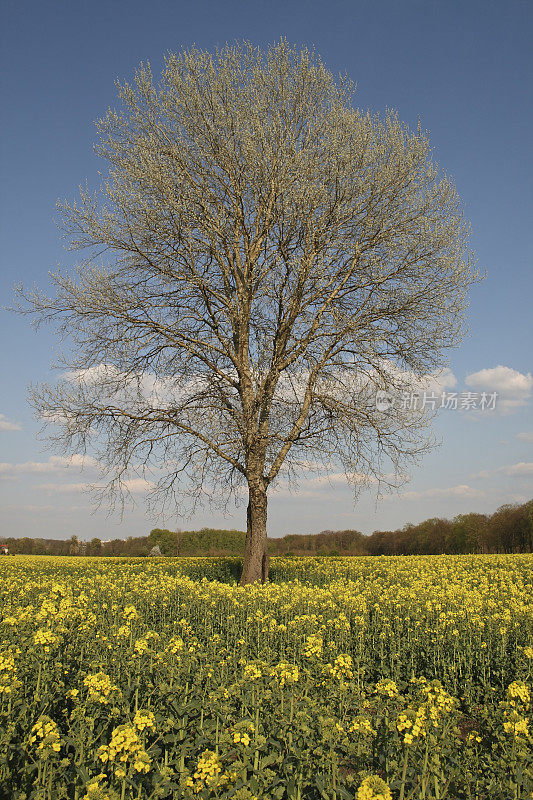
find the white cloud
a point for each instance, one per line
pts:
(485, 473)
(512, 470)
(5, 425)
(138, 485)
(317, 487)
(445, 379)
(76, 460)
(518, 498)
(310, 487)
(463, 490)
(526, 436)
(338, 478)
(64, 488)
(145, 386)
(522, 468)
(12, 470)
(54, 464)
(131, 485)
(512, 387)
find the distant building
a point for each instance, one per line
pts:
(4, 550)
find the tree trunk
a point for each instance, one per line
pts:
(265, 565)
(255, 568)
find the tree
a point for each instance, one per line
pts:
(94, 548)
(26, 546)
(261, 258)
(74, 546)
(469, 533)
(167, 541)
(509, 529)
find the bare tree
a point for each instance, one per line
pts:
(262, 257)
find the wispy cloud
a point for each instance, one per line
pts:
(138, 485)
(317, 487)
(41, 509)
(54, 464)
(6, 425)
(310, 487)
(160, 391)
(64, 488)
(132, 485)
(522, 469)
(525, 436)
(463, 490)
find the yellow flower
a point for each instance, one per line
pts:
(44, 735)
(100, 687)
(361, 725)
(515, 724)
(386, 688)
(46, 639)
(8, 674)
(125, 746)
(241, 738)
(209, 773)
(374, 788)
(143, 720)
(518, 693)
(130, 613)
(313, 646)
(95, 791)
(341, 667)
(175, 645)
(285, 673)
(252, 672)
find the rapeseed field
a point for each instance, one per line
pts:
(371, 678)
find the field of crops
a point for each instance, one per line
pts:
(370, 678)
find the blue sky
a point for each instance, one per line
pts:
(463, 66)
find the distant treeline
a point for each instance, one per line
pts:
(508, 530)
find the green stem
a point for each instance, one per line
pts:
(39, 680)
(404, 773)
(424, 770)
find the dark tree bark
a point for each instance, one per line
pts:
(255, 555)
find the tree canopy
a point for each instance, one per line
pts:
(262, 257)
